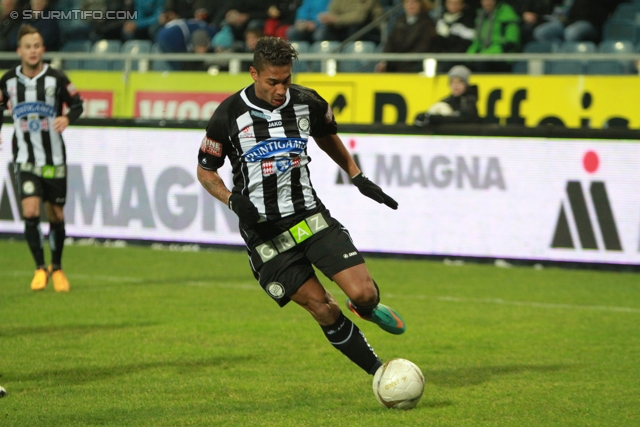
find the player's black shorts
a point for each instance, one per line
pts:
(283, 253)
(52, 190)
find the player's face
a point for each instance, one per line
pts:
(272, 83)
(31, 50)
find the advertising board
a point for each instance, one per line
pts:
(525, 198)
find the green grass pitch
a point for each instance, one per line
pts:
(174, 338)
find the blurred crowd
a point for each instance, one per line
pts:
(441, 26)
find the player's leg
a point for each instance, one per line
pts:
(57, 234)
(289, 276)
(55, 193)
(341, 332)
(363, 299)
(30, 189)
(34, 238)
(334, 253)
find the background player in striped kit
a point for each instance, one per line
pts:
(36, 93)
(264, 130)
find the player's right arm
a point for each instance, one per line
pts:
(211, 181)
(210, 159)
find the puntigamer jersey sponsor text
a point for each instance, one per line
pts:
(35, 103)
(267, 148)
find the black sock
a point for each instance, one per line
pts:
(57, 235)
(366, 311)
(33, 234)
(346, 337)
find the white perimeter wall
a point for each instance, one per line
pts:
(458, 196)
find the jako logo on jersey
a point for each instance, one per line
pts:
(275, 124)
(273, 147)
(40, 108)
(578, 203)
(260, 115)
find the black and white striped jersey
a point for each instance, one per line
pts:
(267, 148)
(35, 103)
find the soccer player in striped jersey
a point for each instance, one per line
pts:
(264, 130)
(35, 93)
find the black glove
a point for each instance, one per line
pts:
(245, 210)
(372, 191)
(422, 119)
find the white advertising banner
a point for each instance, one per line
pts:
(524, 198)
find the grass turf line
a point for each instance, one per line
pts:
(189, 339)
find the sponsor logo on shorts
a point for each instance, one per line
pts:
(349, 255)
(275, 289)
(28, 187)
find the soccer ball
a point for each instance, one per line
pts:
(398, 384)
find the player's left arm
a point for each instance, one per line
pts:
(70, 96)
(333, 146)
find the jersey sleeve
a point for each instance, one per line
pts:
(322, 121)
(215, 144)
(71, 97)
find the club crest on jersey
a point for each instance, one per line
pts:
(303, 124)
(50, 91)
(275, 147)
(260, 114)
(210, 146)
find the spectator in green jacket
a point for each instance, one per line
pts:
(497, 31)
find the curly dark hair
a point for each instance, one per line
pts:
(273, 51)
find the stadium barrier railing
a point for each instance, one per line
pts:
(535, 61)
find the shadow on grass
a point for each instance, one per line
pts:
(82, 375)
(465, 377)
(13, 331)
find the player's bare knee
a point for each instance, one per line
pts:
(366, 294)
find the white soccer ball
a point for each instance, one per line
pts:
(398, 384)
